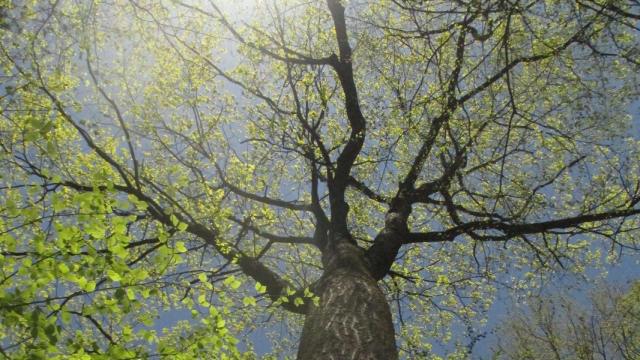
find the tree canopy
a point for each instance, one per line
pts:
(205, 161)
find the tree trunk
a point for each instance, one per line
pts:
(353, 320)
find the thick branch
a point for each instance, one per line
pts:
(513, 230)
(344, 69)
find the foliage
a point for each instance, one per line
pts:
(169, 157)
(554, 326)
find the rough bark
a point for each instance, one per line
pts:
(353, 320)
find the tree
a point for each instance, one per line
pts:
(336, 160)
(555, 326)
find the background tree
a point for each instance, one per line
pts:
(342, 161)
(555, 326)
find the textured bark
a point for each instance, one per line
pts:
(353, 320)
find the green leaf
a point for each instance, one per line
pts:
(202, 300)
(249, 301)
(65, 316)
(180, 248)
(308, 293)
(63, 268)
(57, 202)
(114, 276)
(95, 229)
(232, 282)
(131, 295)
(260, 288)
(203, 277)
(90, 286)
(81, 281)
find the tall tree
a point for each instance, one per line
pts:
(339, 160)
